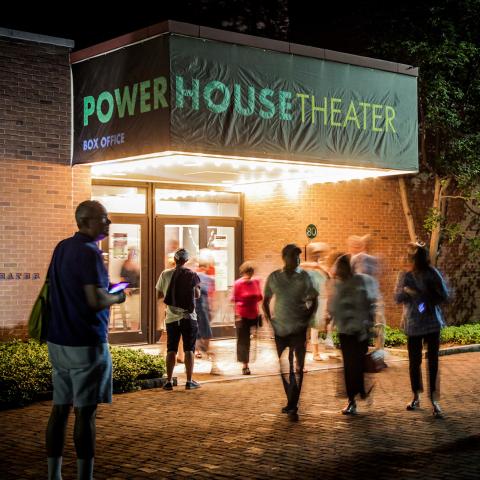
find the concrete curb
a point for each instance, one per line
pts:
(148, 383)
(443, 351)
(460, 349)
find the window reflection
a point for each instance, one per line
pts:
(124, 264)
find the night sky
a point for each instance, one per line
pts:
(326, 24)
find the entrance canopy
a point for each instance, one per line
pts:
(182, 103)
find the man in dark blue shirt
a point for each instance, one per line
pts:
(78, 338)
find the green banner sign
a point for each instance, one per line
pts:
(121, 103)
(186, 94)
(247, 101)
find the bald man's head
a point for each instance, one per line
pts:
(86, 210)
(92, 219)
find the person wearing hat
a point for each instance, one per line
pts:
(179, 287)
(296, 301)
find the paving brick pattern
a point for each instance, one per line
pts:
(235, 430)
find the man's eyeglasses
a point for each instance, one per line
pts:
(102, 218)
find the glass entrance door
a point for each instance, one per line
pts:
(221, 246)
(125, 253)
(214, 247)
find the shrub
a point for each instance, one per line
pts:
(25, 370)
(394, 337)
(462, 334)
(467, 334)
(130, 366)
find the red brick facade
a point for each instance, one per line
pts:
(338, 210)
(39, 189)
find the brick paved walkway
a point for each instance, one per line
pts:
(264, 360)
(234, 430)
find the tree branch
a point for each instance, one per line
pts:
(406, 210)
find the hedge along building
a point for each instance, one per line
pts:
(230, 145)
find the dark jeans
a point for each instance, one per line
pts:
(353, 352)
(293, 378)
(243, 327)
(415, 345)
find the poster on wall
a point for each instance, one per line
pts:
(220, 253)
(120, 241)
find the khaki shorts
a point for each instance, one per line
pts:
(81, 376)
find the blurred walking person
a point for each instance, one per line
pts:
(246, 295)
(422, 289)
(296, 301)
(316, 254)
(363, 262)
(202, 309)
(130, 309)
(352, 308)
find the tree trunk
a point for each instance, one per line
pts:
(439, 206)
(406, 210)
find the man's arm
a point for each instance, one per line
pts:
(99, 299)
(267, 297)
(159, 288)
(266, 307)
(197, 292)
(313, 307)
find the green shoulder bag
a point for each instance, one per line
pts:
(40, 315)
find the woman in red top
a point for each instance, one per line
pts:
(246, 295)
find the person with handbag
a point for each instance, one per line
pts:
(247, 293)
(352, 308)
(77, 338)
(363, 262)
(421, 290)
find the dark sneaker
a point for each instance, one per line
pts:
(414, 404)
(288, 409)
(350, 409)
(168, 386)
(192, 385)
(293, 415)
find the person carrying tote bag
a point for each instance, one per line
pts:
(351, 306)
(40, 314)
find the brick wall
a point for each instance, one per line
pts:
(338, 210)
(39, 189)
(456, 261)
